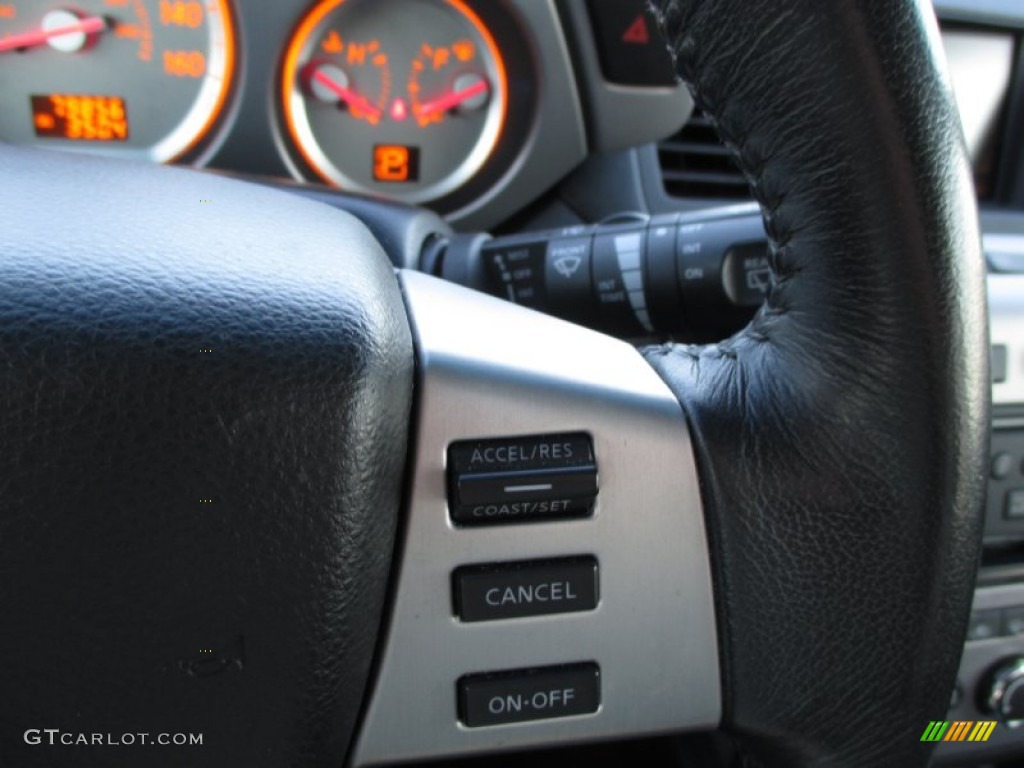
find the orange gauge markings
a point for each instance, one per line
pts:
(398, 148)
(291, 68)
(222, 9)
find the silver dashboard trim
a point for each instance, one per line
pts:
(614, 107)
(980, 65)
(557, 140)
(1004, 244)
(1001, 596)
(489, 368)
(995, 12)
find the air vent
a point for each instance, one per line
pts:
(695, 163)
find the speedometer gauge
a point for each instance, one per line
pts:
(406, 98)
(135, 78)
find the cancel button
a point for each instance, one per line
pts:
(529, 588)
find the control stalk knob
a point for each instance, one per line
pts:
(1006, 693)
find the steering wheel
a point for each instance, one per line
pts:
(213, 413)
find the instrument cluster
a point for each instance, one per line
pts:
(420, 101)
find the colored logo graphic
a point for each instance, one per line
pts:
(958, 730)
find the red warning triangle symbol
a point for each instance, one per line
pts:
(637, 32)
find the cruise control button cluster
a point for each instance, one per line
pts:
(539, 477)
(525, 479)
(529, 694)
(532, 588)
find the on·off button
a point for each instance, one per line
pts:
(528, 588)
(529, 694)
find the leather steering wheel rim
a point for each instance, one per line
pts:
(841, 437)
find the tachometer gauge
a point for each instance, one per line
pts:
(406, 98)
(136, 78)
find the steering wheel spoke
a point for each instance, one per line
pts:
(495, 372)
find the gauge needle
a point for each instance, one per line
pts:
(350, 97)
(86, 26)
(453, 99)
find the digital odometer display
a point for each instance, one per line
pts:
(79, 117)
